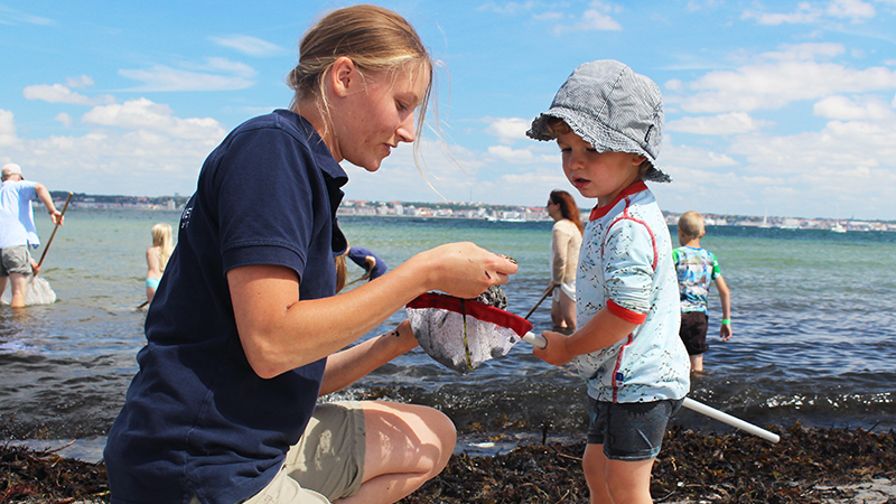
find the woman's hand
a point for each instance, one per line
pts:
(464, 269)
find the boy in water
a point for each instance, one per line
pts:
(697, 268)
(608, 123)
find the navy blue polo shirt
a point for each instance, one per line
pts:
(196, 418)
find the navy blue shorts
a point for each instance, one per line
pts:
(630, 431)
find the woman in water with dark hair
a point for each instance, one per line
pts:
(566, 240)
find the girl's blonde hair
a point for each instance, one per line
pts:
(374, 38)
(161, 237)
(691, 225)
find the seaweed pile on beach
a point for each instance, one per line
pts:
(807, 466)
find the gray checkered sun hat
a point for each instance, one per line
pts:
(612, 108)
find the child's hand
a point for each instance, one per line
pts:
(555, 352)
(725, 332)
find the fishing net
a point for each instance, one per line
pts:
(463, 333)
(38, 292)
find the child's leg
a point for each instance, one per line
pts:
(623, 442)
(594, 465)
(616, 481)
(697, 363)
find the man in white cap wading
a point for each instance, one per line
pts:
(17, 229)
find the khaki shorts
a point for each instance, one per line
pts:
(327, 463)
(15, 259)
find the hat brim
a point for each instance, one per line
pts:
(598, 135)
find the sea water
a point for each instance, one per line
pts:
(812, 313)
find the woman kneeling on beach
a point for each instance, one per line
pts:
(246, 331)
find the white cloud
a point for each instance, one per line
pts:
(64, 119)
(57, 93)
(248, 45)
(13, 16)
(810, 13)
(841, 107)
(79, 82)
(693, 157)
(508, 129)
(597, 18)
(508, 8)
(855, 10)
(208, 77)
(7, 129)
(506, 154)
(805, 13)
(143, 114)
(142, 145)
(779, 78)
(723, 124)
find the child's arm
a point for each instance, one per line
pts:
(601, 331)
(725, 331)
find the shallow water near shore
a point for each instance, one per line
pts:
(813, 318)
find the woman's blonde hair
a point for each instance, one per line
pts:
(691, 225)
(161, 237)
(374, 38)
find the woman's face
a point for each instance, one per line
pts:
(377, 114)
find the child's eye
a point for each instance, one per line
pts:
(401, 106)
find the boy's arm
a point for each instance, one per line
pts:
(601, 331)
(725, 331)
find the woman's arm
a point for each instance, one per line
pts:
(351, 364)
(279, 332)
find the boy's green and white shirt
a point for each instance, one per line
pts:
(626, 265)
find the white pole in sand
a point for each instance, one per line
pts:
(540, 342)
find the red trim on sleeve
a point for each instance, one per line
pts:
(626, 314)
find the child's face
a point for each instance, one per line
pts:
(601, 175)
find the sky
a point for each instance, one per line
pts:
(777, 108)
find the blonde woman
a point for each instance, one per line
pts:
(157, 257)
(247, 330)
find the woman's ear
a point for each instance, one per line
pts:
(638, 159)
(343, 75)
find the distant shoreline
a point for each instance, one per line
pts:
(483, 212)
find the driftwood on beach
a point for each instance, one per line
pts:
(807, 466)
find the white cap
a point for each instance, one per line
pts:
(11, 169)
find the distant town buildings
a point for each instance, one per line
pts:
(484, 211)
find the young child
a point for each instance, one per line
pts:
(608, 123)
(697, 268)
